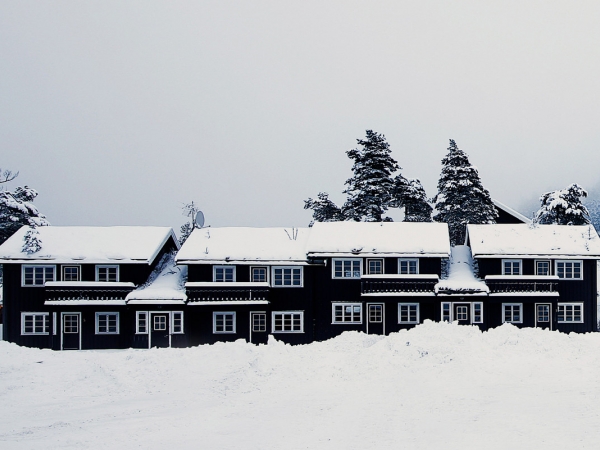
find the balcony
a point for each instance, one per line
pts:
(227, 293)
(398, 285)
(86, 292)
(522, 285)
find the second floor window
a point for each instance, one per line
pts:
(107, 273)
(569, 270)
(37, 275)
(224, 274)
(511, 267)
(374, 266)
(71, 273)
(258, 274)
(408, 266)
(542, 268)
(287, 276)
(347, 268)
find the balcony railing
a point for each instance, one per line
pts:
(398, 286)
(53, 294)
(220, 295)
(503, 287)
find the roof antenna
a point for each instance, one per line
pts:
(199, 219)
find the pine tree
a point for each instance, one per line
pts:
(410, 194)
(31, 241)
(369, 189)
(461, 198)
(324, 210)
(17, 209)
(563, 207)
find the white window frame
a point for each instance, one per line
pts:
(37, 266)
(255, 314)
(473, 315)
(537, 261)
(409, 305)
(138, 317)
(569, 261)
(334, 320)
(224, 313)
(71, 266)
(380, 314)
(273, 277)
(505, 305)
(564, 305)
(173, 326)
(408, 260)
(352, 272)
(443, 314)
(512, 261)
(233, 268)
(284, 313)
(46, 323)
(108, 313)
(368, 266)
(265, 268)
(107, 266)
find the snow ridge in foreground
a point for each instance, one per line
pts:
(436, 386)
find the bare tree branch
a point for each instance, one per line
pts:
(7, 175)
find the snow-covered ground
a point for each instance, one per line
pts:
(438, 386)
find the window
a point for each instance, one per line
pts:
(287, 276)
(71, 273)
(288, 322)
(542, 268)
(408, 266)
(224, 322)
(570, 313)
(374, 266)
(258, 274)
(107, 323)
(177, 322)
(107, 273)
(512, 312)
(375, 313)
(224, 274)
(462, 312)
(37, 275)
(141, 320)
(446, 312)
(259, 322)
(543, 313)
(160, 323)
(569, 270)
(511, 267)
(35, 323)
(408, 313)
(71, 323)
(477, 312)
(347, 312)
(347, 268)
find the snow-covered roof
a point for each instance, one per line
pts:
(166, 282)
(379, 238)
(244, 245)
(461, 278)
(512, 212)
(523, 240)
(93, 245)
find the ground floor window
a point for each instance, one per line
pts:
(259, 322)
(446, 312)
(408, 313)
(512, 312)
(347, 312)
(141, 322)
(570, 313)
(288, 322)
(477, 312)
(35, 323)
(177, 322)
(224, 322)
(375, 313)
(107, 323)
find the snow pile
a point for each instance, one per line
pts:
(245, 244)
(438, 386)
(523, 240)
(461, 274)
(166, 282)
(90, 244)
(369, 238)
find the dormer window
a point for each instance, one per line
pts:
(512, 267)
(408, 266)
(107, 273)
(223, 274)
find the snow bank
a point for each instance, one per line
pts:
(461, 274)
(90, 244)
(438, 386)
(522, 240)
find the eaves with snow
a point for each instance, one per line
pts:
(92, 245)
(529, 241)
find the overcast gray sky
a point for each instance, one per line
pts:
(117, 112)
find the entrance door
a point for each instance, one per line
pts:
(543, 315)
(375, 318)
(70, 331)
(462, 313)
(258, 327)
(159, 330)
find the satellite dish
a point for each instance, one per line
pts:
(199, 220)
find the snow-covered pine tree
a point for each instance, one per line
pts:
(410, 194)
(461, 198)
(324, 210)
(17, 209)
(369, 189)
(189, 210)
(563, 207)
(31, 241)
